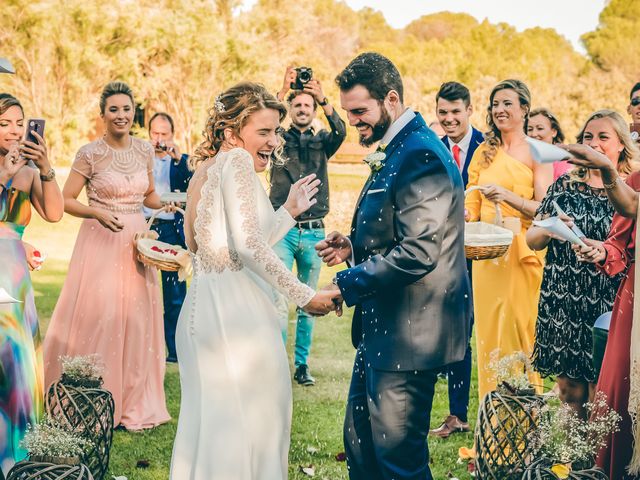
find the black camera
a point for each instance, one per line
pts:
(303, 76)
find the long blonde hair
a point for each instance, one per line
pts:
(629, 158)
(232, 109)
(493, 138)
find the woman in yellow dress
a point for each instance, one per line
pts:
(506, 289)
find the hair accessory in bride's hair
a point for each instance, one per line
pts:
(218, 105)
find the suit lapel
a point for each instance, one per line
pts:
(415, 123)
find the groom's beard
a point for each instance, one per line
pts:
(378, 130)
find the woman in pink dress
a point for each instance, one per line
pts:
(110, 303)
(544, 126)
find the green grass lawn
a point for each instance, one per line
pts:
(317, 412)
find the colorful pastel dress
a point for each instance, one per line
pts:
(110, 303)
(21, 373)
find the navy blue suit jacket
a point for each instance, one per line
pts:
(179, 177)
(476, 139)
(409, 282)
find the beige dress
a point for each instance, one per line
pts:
(110, 303)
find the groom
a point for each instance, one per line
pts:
(407, 276)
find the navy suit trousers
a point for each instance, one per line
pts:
(173, 290)
(387, 422)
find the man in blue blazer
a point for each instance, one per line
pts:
(454, 110)
(171, 174)
(407, 276)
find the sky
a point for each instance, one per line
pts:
(570, 18)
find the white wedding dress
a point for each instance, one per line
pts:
(235, 411)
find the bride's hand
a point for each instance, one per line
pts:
(301, 195)
(322, 303)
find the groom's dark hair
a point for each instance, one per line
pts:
(373, 71)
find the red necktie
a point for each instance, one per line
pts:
(456, 154)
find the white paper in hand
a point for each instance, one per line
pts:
(560, 229)
(543, 152)
(575, 228)
(6, 298)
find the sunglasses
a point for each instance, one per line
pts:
(635, 101)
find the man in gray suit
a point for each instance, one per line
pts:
(407, 276)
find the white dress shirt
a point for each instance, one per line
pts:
(162, 181)
(463, 145)
(395, 128)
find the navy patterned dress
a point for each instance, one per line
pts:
(573, 294)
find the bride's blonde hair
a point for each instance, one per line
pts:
(232, 109)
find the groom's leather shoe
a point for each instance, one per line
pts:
(303, 376)
(451, 424)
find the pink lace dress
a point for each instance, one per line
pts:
(110, 303)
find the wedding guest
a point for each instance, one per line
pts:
(170, 174)
(21, 187)
(437, 128)
(307, 151)
(634, 104)
(454, 110)
(506, 289)
(568, 307)
(544, 126)
(110, 303)
(620, 374)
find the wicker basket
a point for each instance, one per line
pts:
(484, 241)
(503, 433)
(36, 470)
(541, 470)
(150, 261)
(88, 412)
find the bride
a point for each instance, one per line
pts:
(235, 412)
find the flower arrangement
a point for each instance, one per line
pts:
(49, 439)
(510, 372)
(565, 438)
(82, 370)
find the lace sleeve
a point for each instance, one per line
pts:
(280, 224)
(239, 191)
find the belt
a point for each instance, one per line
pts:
(308, 224)
(161, 220)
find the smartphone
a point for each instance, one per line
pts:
(37, 125)
(634, 129)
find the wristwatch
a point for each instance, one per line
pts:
(51, 174)
(323, 102)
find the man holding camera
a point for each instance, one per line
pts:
(170, 174)
(307, 152)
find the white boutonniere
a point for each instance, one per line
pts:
(376, 159)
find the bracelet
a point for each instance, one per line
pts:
(612, 185)
(51, 174)
(323, 102)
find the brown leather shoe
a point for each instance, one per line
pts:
(451, 424)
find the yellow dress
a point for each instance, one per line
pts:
(505, 289)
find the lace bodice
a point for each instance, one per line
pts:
(116, 179)
(236, 225)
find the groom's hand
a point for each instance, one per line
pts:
(334, 249)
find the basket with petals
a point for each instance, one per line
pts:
(484, 241)
(163, 256)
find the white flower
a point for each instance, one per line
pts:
(48, 438)
(82, 367)
(375, 160)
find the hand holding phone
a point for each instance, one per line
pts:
(34, 125)
(34, 148)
